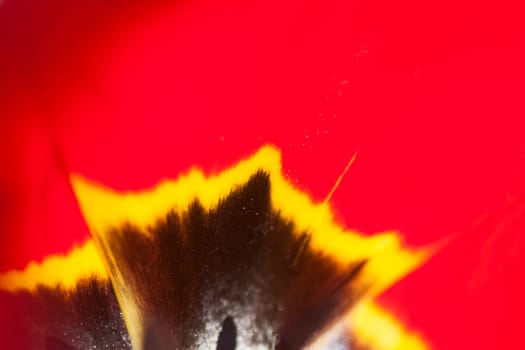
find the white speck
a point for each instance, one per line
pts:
(361, 52)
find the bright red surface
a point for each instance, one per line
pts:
(429, 95)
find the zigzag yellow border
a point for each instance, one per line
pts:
(103, 209)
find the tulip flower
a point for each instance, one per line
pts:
(399, 121)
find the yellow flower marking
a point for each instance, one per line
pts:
(65, 269)
(104, 209)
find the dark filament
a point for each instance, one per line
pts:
(228, 335)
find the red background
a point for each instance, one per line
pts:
(429, 94)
